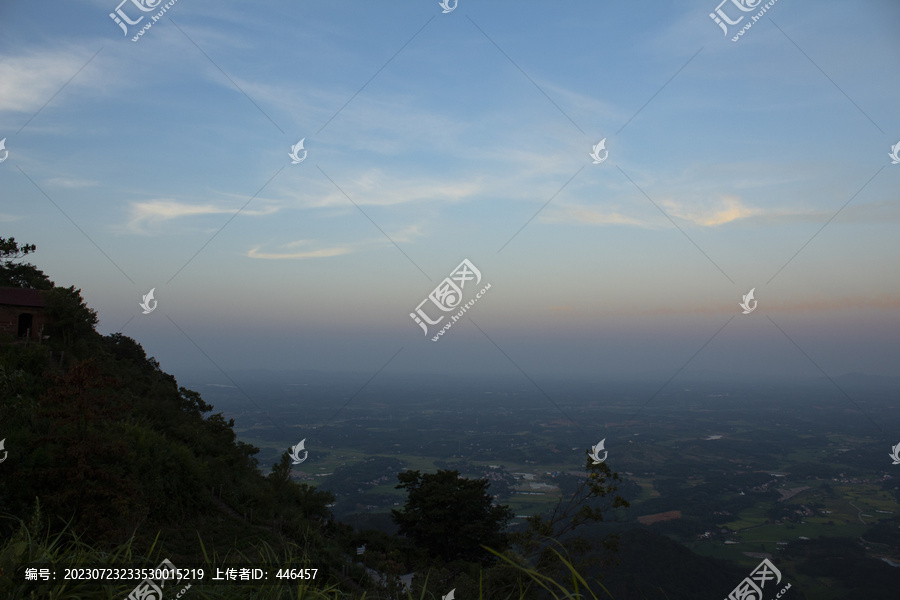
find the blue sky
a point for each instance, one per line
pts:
(432, 138)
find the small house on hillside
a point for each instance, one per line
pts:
(22, 313)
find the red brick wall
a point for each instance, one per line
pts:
(9, 320)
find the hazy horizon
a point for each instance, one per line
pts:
(759, 164)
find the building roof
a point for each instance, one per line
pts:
(21, 297)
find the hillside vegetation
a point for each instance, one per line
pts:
(111, 462)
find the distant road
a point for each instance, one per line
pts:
(859, 516)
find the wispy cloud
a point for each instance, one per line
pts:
(28, 81)
(375, 187)
(154, 212)
(405, 235)
(725, 209)
(317, 253)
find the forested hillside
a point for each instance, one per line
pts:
(112, 462)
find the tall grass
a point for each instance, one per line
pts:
(33, 546)
(574, 587)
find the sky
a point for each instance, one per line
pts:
(433, 137)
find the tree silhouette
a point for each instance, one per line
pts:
(546, 535)
(70, 317)
(13, 274)
(451, 517)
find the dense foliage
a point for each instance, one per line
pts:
(451, 517)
